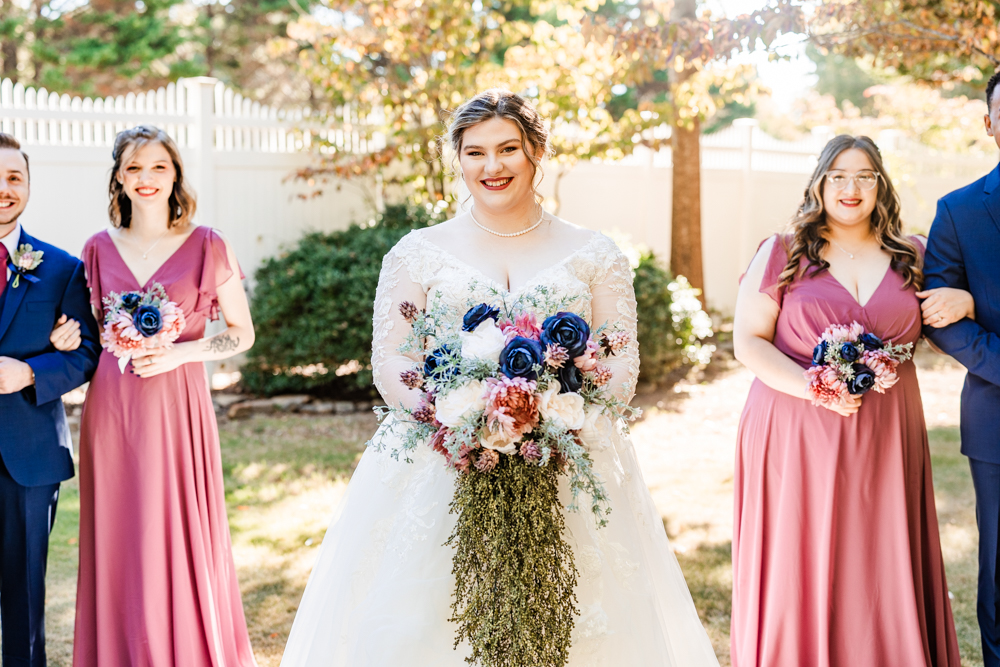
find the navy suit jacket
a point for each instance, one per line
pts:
(963, 251)
(34, 437)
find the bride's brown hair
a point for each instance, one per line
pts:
(809, 224)
(500, 103)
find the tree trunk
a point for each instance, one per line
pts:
(685, 216)
(685, 146)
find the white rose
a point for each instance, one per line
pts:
(563, 409)
(461, 402)
(597, 429)
(486, 342)
(497, 441)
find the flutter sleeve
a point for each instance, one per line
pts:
(215, 270)
(91, 264)
(396, 284)
(776, 263)
(613, 303)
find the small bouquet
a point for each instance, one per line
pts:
(849, 360)
(511, 401)
(140, 320)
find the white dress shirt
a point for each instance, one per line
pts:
(11, 242)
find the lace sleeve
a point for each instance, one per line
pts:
(389, 329)
(614, 302)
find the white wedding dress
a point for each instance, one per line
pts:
(381, 591)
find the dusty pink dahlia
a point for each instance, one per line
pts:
(512, 404)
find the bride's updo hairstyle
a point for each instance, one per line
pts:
(809, 224)
(182, 199)
(500, 103)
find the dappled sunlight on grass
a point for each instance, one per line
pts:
(956, 508)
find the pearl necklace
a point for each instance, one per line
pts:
(510, 234)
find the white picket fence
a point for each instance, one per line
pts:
(239, 154)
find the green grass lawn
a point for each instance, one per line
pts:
(285, 474)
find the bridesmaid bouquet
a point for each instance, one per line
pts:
(849, 360)
(140, 320)
(511, 404)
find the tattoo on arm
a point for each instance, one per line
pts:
(222, 343)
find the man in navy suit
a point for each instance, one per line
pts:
(35, 445)
(963, 251)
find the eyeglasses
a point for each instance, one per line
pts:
(865, 179)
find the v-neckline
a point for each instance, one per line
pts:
(155, 273)
(496, 283)
(878, 287)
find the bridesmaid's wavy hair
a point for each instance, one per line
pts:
(809, 224)
(182, 198)
(500, 103)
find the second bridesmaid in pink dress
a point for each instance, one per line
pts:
(836, 554)
(157, 585)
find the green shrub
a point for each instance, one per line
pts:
(312, 309)
(672, 323)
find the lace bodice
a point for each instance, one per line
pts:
(597, 275)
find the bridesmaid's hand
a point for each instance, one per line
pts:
(851, 405)
(946, 305)
(65, 337)
(158, 360)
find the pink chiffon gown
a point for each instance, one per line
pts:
(157, 585)
(836, 553)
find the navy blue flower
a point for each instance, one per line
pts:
(567, 330)
(849, 353)
(871, 341)
(863, 380)
(148, 320)
(130, 301)
(520, 356)
(477, 315)
(570, 378)
(819, 354)
(433, 362)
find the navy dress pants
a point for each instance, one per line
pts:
(26, 517)
(986, 478)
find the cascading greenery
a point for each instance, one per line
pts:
(514, 571)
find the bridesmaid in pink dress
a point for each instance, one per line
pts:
(157, 585)
(836, 554)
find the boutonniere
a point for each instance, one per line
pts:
(25, 259)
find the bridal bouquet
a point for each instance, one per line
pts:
(510, 400)
(849, 360)
(140, 320)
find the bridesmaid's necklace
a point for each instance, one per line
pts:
(145, 255)
(851, 255)
(503, 234)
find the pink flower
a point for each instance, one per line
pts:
(487, 460)
(530, 450)
(525, 324)
(26, 262)
(438, 442)
(511, 406)
(884, 367)
(602, 375)
(588, 360)
(463, 461)
(825, 387)
(556, 356)
(617, 340)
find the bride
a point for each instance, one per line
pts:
(381, 591)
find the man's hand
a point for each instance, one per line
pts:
(14, 375)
